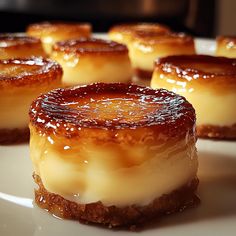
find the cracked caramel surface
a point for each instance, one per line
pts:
(111, 106)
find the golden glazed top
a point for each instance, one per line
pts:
(16, 41)
(59, 28)
(111, 107)
(199, 69)
(137, 28)
(31, 71)
(90, 46)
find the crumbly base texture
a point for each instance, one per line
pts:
(217, 132)
(14, 136)
(112, 216)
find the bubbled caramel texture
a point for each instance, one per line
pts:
(26, 72)
(112, 107)
(220, 72)
(90, 46)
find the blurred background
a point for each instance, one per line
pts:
(202, 18)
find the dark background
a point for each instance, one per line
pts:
(197, 17)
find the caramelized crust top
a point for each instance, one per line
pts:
(46, 28)
(90, 46)
(140, 28)
(200, 68)
(31, 71)
(112, 107)
(11, 40)
(153, 38)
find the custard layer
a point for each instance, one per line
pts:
(145, 49)
(114, 174)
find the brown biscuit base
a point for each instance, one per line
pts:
(13, 136)
(217, 132)
(113, 216)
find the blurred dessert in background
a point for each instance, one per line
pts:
(20, 46)
(52, 32)
(86, 61)
(209, 84)
(21, 81)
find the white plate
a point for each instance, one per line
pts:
(216, 214)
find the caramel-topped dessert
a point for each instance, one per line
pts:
(124, 33)
(145, 48)
(226, 46)
(21, 81)
(18, 46)
(209, 83)
(86, 61)
(51, 33)
(113, 154)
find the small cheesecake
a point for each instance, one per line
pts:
(209, 83)
(226, 46)
(86, 61)
(19, 46)
(51, 33)
(124, 33)
(21, 81)
(113, 154)
(145, 48)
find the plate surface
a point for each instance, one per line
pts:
(216, 215)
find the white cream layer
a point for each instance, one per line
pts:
(99, 177)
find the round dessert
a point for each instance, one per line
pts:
(124, 33)
(18, 46)
(21, 81)
(226, 46)
(51, 33)
(145, 48)
(85, 61)
(113, 154)
(209, 83)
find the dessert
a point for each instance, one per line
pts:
(22, 80)
(209, 83)
(113, 154)
(226, 46)
(124, 33)
(51, 33)
(86, 61)
(19, 46)
(145, 48)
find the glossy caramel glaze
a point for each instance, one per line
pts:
(19, 46)
(153, 38)
(63, 28)
(202, 70)
(12, 40)
(125, 32)
(112, 107)
(28, 72)
(90, 46)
